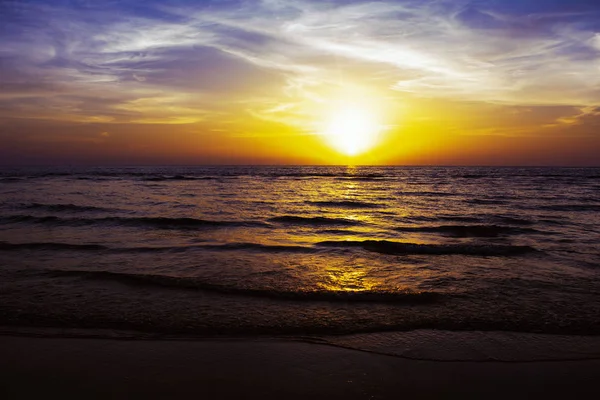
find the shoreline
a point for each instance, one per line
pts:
(236, 368)
(419, 344)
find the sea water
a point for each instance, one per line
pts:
(301, 251)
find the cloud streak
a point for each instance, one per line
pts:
(182, 62)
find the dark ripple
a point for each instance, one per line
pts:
(344, 204)
(482, 218)
(50, 246)
(470, 230)
(313, 221)
(179, 178)
(397, 248)
(159, 249)
(172, 282)
(65, 208)
(571, 207)
(151, 222)
(490, 202)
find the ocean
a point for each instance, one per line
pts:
(300, 251)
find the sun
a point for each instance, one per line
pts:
(352, 130)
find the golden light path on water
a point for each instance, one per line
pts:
(347, 280)
(349, 275)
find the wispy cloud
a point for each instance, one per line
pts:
(185, 61)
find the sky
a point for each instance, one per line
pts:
(443, 82)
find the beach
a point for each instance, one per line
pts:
(266, 369)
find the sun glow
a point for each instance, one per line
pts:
(352, 130)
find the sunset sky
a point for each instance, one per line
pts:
(451, 82)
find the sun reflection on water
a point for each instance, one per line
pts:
(347, 280)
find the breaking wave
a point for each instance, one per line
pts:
(50, 246)
(256, 247)
(469, 230)
(397, 248)
(172, 282)
(180, 178)
(151, 222)
(65, 208)
(571, 207)
(481, 219)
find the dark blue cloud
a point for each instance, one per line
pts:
(523, 7)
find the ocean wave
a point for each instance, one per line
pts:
(363, 178)
(450, 218)
(64, 207)
(99, 175)
(50, 246)
(315, 221)
(260, 247)
(11, 179)
(475, 219)
(427, 194)
(373, 296)
(344, 204)
(369, 176)
(181, 223)
(474, 176)
(253, 247)
(92, 178)
(152, 222)
(33, 219)
(268, 172)
(398, 248)
(378, 246)
(509, 220)
(469, 230)
(490, 202)
(571, 207)
(157, 249)
(298, 175)
(179, 178)
(52, 174)
(338, 232)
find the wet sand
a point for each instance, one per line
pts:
(243, 369)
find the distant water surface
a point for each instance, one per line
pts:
(301, 250)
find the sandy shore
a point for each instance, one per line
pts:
(235, 369)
